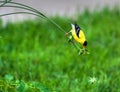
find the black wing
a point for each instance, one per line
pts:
(77, 29)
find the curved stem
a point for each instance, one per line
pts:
(34, 10)
(23, 8)
(4, 2)
(26, 7)
(18, 13)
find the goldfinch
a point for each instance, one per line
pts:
(79, 36)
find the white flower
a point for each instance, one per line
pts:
(92, 80)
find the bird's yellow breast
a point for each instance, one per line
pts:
(81, 39)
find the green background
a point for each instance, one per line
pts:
(35, 55)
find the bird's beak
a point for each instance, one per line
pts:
(72, 26)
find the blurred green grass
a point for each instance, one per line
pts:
(35, 56)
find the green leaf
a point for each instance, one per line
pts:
(9, 77)
(22, 87)
(41, 87)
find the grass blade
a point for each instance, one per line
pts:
(32, 12)
(18, 13)
(4, 2)
(36, 11)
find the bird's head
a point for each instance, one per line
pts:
(75, 27)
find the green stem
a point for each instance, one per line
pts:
(32, 12)
(36, 11)
(18, 13)
(4, 2)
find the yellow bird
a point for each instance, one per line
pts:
(78, 36)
